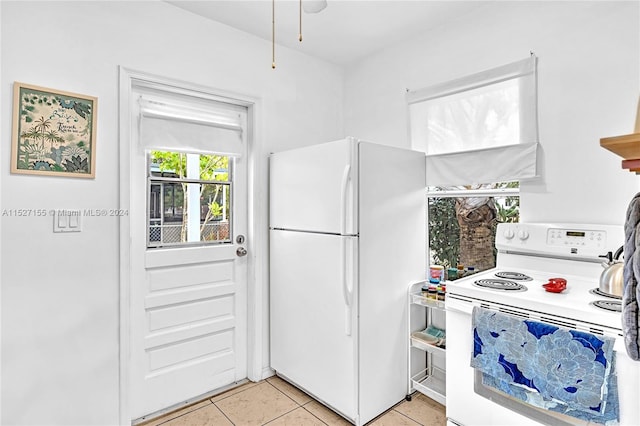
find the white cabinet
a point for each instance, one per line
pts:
(426, 350)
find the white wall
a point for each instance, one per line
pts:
(60, 292)
(588, 80)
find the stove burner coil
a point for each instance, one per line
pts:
(513, 276)
(601, 293)
(498, 284)
(609, 305)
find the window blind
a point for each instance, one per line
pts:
(478, 129)
(200, 127)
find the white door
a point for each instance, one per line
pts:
(188, 300)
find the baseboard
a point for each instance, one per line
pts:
(267, 372)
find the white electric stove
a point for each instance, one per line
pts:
(528, 256)
(579, 301)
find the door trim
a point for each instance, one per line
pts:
(257, 236)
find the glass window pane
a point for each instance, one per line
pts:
(173, 202)
(193, 166)
(462, 229)
(485, 117)
(215, 207)
(186, 212)
(214, 167)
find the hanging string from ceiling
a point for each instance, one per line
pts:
(273, 34)
(310, 6)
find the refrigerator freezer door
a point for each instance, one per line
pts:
(311, 344)
(313, 188)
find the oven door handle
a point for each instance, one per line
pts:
(456, 304)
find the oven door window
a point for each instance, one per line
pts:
(520, 407)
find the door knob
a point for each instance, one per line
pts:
(241, 251)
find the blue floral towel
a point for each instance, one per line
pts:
(558, 369)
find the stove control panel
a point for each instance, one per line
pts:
(577, 238)
(559, 239)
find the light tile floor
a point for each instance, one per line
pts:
(275, 402)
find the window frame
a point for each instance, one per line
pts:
(464, 193)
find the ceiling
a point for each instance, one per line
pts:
(344, 32)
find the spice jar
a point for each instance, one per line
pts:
(452, 274)
(432, 292)
(436, 271)
(425, 290)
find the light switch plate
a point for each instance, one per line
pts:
(67, 220)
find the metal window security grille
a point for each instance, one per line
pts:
(162, 234)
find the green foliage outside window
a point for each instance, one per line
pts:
(444, 231)
(509, 210)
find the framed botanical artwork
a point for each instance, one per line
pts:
(54, 132)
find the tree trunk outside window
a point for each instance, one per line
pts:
(477, 220)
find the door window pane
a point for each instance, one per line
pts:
(189, 199)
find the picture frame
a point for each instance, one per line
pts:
(54, 132)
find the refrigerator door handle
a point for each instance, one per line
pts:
(343, 198)
(347, 293)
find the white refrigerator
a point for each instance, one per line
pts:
(347, 236)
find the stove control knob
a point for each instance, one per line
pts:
(523, 234)
(509, 234)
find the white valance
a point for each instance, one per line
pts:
(489, 165)
(214, 128)
(478, 129)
